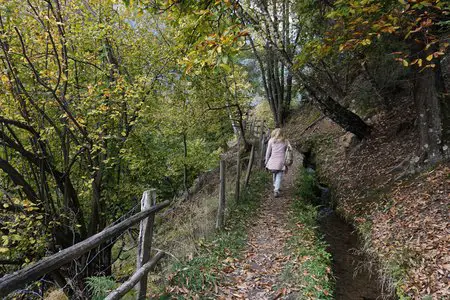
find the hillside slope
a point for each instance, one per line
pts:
(400, 213)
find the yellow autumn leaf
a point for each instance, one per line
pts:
(405, 63)
(4, 78)
(419, 62)
(430, 57)
(366, 42)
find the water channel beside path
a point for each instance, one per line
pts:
(353, 280)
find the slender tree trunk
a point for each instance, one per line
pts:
(271, 87)
(18, 180)
(279, 86)
(288, 97)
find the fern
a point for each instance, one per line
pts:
(100, 287)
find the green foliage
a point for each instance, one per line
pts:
(207, 35)
(263, 112)
(359, 23)
(96, 107)
(24, 234)
(307, 186)
(100, 287)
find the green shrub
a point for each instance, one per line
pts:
(307, 187)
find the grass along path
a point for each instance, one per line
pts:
(199, 276)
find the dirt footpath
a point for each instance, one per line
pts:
(257, 275)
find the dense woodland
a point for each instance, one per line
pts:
(101, 99)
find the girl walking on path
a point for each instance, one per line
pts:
(275, 156)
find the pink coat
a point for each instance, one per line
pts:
(275, 155)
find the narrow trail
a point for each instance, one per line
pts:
(257, 275)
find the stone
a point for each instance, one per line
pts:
(348, 140)
(374, 120)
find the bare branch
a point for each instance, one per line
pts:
(18, 124)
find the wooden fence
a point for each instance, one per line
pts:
(257, 133)
(149, 208)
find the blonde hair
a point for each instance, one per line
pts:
(277, 135)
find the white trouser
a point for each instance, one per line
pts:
(277, 180)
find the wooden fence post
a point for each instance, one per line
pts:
(221, 210)
(237, 190)
(249, 168)
(145, 240)
(261, 145)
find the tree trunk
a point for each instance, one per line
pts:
(343, 117)
(288, 96)
(19, 180)
(427, 88)
(445, 110)
(330, 107)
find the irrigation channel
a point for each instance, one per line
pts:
(353, 280)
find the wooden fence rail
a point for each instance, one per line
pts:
(16, 280)
(135, 278)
